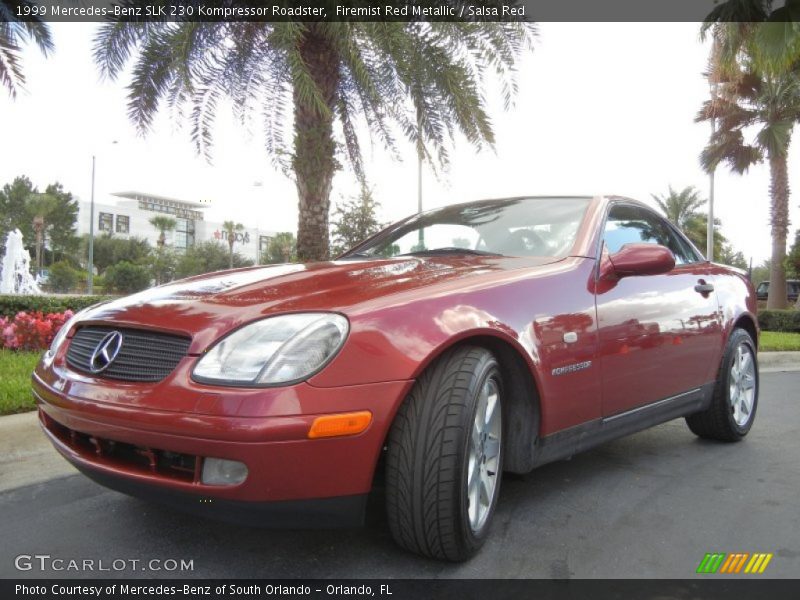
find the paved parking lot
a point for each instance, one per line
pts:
(650, 505)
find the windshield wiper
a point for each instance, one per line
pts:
(450, 250)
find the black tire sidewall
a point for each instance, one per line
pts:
(489, 369)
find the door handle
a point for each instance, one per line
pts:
(703, 287)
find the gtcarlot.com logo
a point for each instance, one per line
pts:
(735, 563)
(46, 562)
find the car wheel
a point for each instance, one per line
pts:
(445, 456)
(733, 407)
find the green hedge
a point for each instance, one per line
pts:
(10, 305)
(779, 320)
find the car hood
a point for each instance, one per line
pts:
(207, 306)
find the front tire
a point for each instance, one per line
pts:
(445, 456)
(733, 407)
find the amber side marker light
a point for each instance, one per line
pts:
(341, 424)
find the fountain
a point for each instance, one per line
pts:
(15, 275)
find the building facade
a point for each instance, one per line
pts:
(128, 214)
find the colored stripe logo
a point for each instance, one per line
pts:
(734, 563)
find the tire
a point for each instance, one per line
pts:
(439, 443)
(733, 406)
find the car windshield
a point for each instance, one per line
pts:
(513, 227)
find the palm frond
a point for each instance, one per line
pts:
(13, 34)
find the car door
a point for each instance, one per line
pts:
(656, 332)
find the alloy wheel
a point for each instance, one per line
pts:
(484, 455)
(742, 384)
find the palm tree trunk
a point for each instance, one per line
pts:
(314, 159)
(230, 251)
(779, 220)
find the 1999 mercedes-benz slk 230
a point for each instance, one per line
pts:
(452, 346)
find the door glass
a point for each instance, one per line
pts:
(628, 224)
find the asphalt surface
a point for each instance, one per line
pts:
(650, 505)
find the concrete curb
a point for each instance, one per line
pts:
(777, 362)
(26, 456)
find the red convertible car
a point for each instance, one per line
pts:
(452, 346)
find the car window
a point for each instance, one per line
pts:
(763, 287)
(509, 227)
(627, 224)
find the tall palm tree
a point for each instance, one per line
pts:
(770, 104)
(40, 207)
(769, 36)
(231, 229)
(13, 33)
(423, 80)
(163, 225)
(680, 207)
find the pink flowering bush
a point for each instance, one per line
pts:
(31, 330)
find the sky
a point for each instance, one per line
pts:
(602, 108)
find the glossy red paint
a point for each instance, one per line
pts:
(641, 259)
(554, 313)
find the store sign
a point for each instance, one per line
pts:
(240, 237)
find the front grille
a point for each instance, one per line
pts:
(143, 356)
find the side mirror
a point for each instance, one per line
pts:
(642, 259)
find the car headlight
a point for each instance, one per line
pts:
(275, 350)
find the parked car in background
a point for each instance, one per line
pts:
(792, 290)
(455, 345)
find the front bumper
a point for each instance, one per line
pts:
(159, 453)
(313, 513)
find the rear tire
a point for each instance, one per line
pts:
(733, 407)
(445, 457)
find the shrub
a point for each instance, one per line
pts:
(779, 320)
(127, 278)
(62, 277)
(10, 305)
(110, 250)
(31, 331)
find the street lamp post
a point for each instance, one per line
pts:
(420, 152)
(713, 90)
(90, 267)
(710, 230)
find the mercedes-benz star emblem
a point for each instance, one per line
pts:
(106, 351)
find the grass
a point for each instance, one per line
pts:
(779, 341)
(15, 381)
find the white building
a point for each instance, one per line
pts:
(128, 214)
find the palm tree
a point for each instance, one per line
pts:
(770, 37)
(423, 80)
(13, 33)
(282, 249)
(40, 206)
(163, 225)
(680, 207)
(231, 229)
(770, 103)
